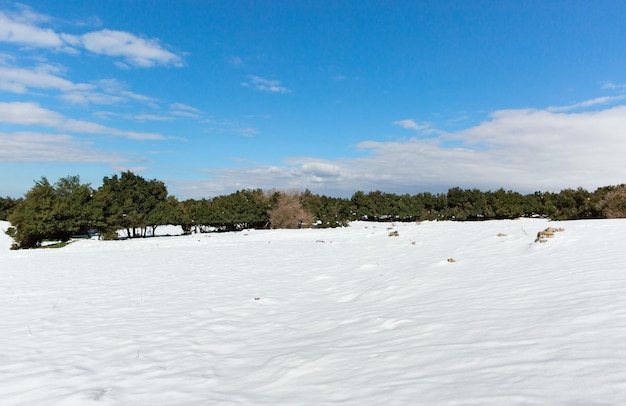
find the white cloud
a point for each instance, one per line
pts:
(587, 103)
(151, 117)
(411, 125)
(136, 51)
(39, 147)
(183, 110)
(84, 97)
(122, 65)
(176, 111)
(247, 131)
(15, 29)
(31, 114)
(265, 85)
(28, 15)
(524, 150)
(321, 170)
(48, 77)
(105, 115)
(181, 106)
(23, 28)
(614, 86)
(114, 86)
(113, 91)
(19, 80)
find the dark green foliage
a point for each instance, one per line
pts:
(473, 204)
(165, 212)
(327, 211)
(54, 212)
(194, 215)
(506, 205)
(239, 210)
(7, 204)
(380, 206)
(131, 203)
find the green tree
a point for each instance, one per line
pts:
(127, 202)
(327, 211)
(54, 212)
(7, 204)
(165, 212)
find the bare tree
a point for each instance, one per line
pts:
(288, 212)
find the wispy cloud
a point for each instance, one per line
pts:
(614, 86)
(40, 147)
(87, 97)
(235, 127)
(235, 61)
(140, 52)
(17, 29)
(181, 106)
(176, 111)
(152, 117)
(183, 110)
(31, 114)
(265, 85)
(412, 125)
(105, 115)
(116, 87)
(588, 103)
(24, 28)
(247, 131)
(20, 80)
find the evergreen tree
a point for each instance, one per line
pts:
(7, 204)
(54, 212)
(127, 202)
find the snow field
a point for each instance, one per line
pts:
(306, 317)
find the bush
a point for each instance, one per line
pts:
(288, 212)
(613, 204)
(109, 235)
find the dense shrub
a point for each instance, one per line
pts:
(613, 204)
(288, 212)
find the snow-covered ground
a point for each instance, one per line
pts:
(445, 313)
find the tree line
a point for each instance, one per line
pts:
(131, 206)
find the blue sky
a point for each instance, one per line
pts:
(334, 96)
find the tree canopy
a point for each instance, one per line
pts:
(54, 212)
(135, 207)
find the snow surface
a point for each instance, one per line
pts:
(348, 316)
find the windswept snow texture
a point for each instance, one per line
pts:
(349, 316)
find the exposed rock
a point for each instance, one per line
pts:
(547, 233)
